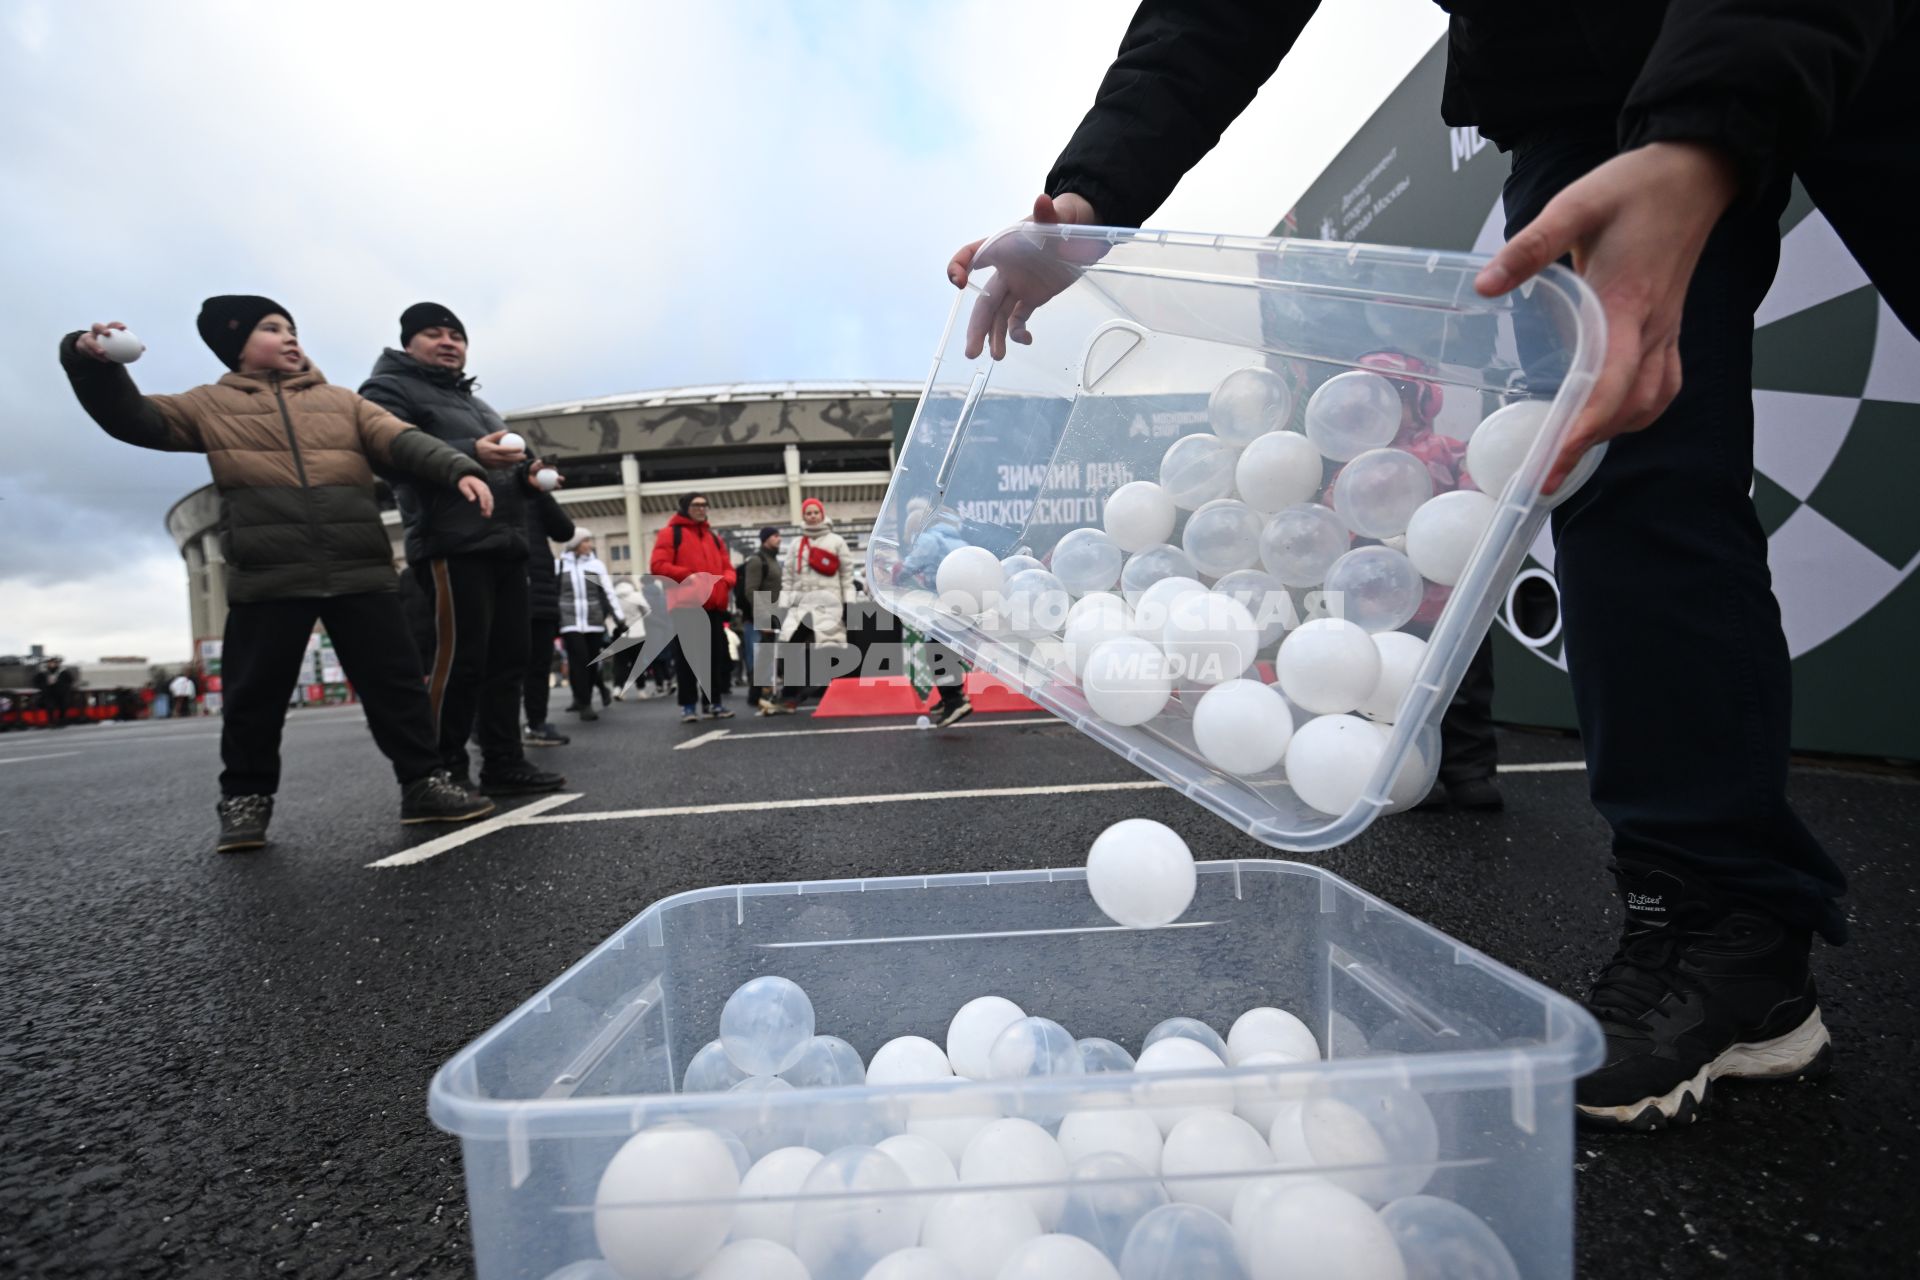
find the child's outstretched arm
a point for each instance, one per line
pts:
(392, 444)
(106, 391)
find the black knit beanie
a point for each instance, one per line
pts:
(686, 501)
(428, 315)
(227, 321)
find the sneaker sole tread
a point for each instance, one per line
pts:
(1805, 1053)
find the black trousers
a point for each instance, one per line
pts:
(1468, 749)
(479, 659)
(719, 658)
(582, 676)
(537, 685)
(1681, 675)
(260, 661)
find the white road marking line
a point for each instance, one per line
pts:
(51, 755)
(756, 735)
(137, 737)
(711, 735)
(473, 831)
(1550, 766)
(828, 802)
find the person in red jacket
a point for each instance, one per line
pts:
(688, 548)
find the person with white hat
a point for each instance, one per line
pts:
(587, 600)
(816, 588)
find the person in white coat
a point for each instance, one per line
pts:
(587, 600)
(816, 588)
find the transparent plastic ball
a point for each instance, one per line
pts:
(1327, 666)
(1150, 565)
(1266, 598)
(771, 1125)
(1317, 1229)
(711, 1071)
(1100, 1054)
(853, 1214)
(1141, 873)
(1127, 681)
(1278, 470)
(1034, 1048)
(1019, 562)
(1138, 515)
(974, 1028)
(927, 1167)
(1400, 658)
(1020, 1154)
(1440, 1240)
(1034, 603)
(1197, 469)
(1352, 413)
(968, 580)
(1301, 543)
(826, 1062)
(1378, 492)
(766, 1024)
(1107, 1195)
(1223, 536)
(1330, 760)
(1209, 639)
(1265, 1029)
(1444, 531)
(1376, 588)
(765, 1209)
(1057, 1257)
(1249, 403)
(1087, 560)
(1182, 1242)
(1212, 1142)
(1187, 1029)
(1242, 727)
(974, 1232)
(1379, 1142)
(1130, 1133)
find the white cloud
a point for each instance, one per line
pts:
(140, 607)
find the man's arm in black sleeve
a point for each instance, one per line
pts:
(554, 521)
(1761, 79)
(1185, 69)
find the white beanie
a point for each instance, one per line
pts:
(579, 536)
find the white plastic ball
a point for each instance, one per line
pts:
(1378, 492)
(1019, 1153)
(1127, 681)
(766, 1025)
(1057, 1257)
(1223, 536)
(1137, 516)
(1186, 1029)
(513, 442)
(1087, 560)
(1141, 873)
(1173, 1101)
(1379, 1141)
(1443, 533)
(921, 722)
(826, 1062)
(1155, 605)
(950, 1121)
(969, 581)
(1144, 568)
(853, 1213)
(711, 1071)
(1209, 639)
(121, 346)
(1352, 413)
(1500, 444)
(1107, 1195)
(974, 1028)
(1316, 1229)
(1126, 1132)
(1249, 403)
(1400, 658)
(1099, 1055)
(1327, 666)
(1019, 562)
(1258, 1100)
(1266, 1029)
(1330, 760)
(645, 1216)
(926, 1165)
(1106, 618)
(754, 1260)
(1377, 588)
(1034, 603)
(1266, 599)
(1301, 543)
(547, 479)
(913, 1264)
(974, 1232)
(1034, 1048)
(1254, 1204)
(1418, 771)
(1440, 1240)
(1197, 469)
(908, 1060)
(766, 1208)
(1182, 1242)
(1242, 727)
(1208, 1143)
(1278, 470)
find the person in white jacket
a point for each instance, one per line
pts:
(816, 588)
(587, 600)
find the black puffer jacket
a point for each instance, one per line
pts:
(1763, 82)
(441, 403)
(545, 520)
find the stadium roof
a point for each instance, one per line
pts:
(727, 393)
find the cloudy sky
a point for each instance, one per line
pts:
(613, 196)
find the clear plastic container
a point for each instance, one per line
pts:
(1141, 341)
(1460, 1070)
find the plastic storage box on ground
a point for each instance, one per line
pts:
(1295, 426)
(1427, 1119)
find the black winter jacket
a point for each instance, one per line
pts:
(545, 520)
(1762, 81)
(441, 403)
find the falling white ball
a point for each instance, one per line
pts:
(1170, 1105)
(974, 1028)
(1278, 470)
(1138, 515)
(1212, 1142)
(1269, 1030)
(1209, 638)
(547, 479)
(1301, 543)
(662, 1206)
(1443, 533)
(1144, 568)
(1352, 413)
(908, 1060)
(1087, 560)
(969, 581)
(1141, 873)
(1249, 403)
(1376, 588)
(120, 346)
(1330, 760)
(1378, 492)
(1197, 469)
(1400, 657)
(1223, 536)
(1328, 665)
(1127, 681)
(1242, 727)
(513, 442)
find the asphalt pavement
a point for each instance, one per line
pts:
(217, 1066)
